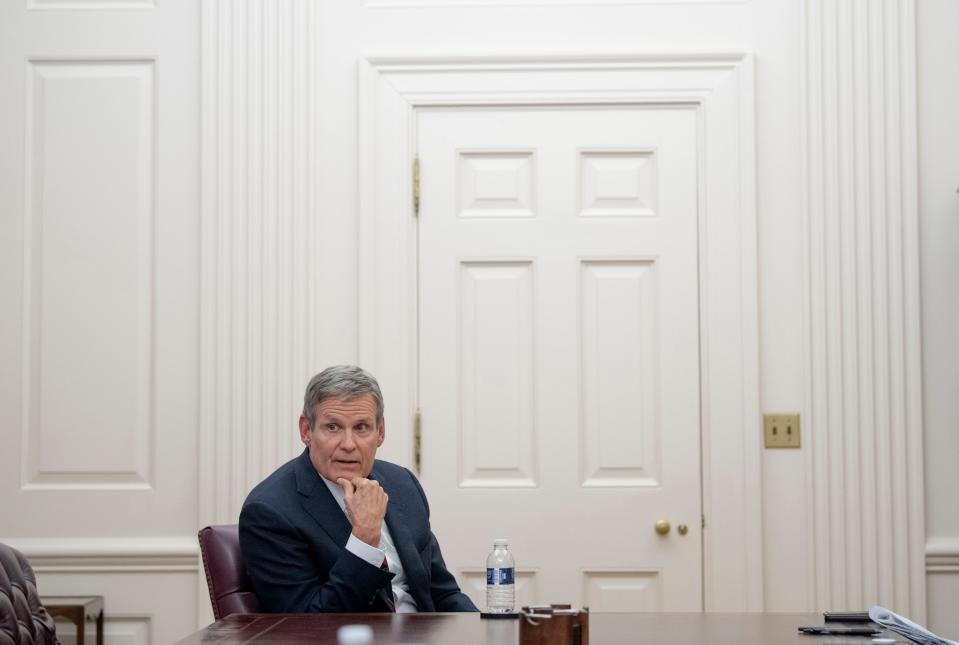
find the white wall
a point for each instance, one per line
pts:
(939, 242)
(856, 410)
(99, 177)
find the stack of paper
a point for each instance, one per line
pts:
(904, 627)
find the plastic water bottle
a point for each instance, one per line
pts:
(500, 588)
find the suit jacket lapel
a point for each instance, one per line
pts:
(416, 575)
(318, 501)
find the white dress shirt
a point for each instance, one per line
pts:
(375, 554)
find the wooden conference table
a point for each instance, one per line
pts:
(468, 628)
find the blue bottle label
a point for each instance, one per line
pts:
(499, 576)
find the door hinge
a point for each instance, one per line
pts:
(703, 521)
(416, 185)
(417, 438)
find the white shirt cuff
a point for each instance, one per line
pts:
(364, 551)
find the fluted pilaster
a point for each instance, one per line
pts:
(258, 128)
(863, 352)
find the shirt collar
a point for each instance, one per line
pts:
(336, 491)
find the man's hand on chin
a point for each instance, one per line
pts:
(366, 507)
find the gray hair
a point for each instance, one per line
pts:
(346, 381)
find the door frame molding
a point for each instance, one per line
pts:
(720, 87)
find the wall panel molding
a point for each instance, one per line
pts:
(89, 224)
(85, 5)
(862, 353)
(109, 555)
(166, 613)
(128, 630)
(258, 126)
(942, 555)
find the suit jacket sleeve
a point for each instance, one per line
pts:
(285, 574)
(445, 592)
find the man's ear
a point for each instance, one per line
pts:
(381, 433)
(304, 430)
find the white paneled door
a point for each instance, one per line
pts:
(559, 348)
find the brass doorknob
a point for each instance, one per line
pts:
(662, 527)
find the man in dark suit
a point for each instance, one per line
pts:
(337, 530)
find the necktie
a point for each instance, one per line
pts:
(387, 594)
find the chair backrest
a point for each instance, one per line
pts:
(231, 590)
(23, 619)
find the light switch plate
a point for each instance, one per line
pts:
(781, 430)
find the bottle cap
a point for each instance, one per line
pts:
(500, 542)
(354, 635)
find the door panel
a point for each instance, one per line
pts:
(559, 347)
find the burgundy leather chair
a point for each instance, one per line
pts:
(231, 590)
(23, 620)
